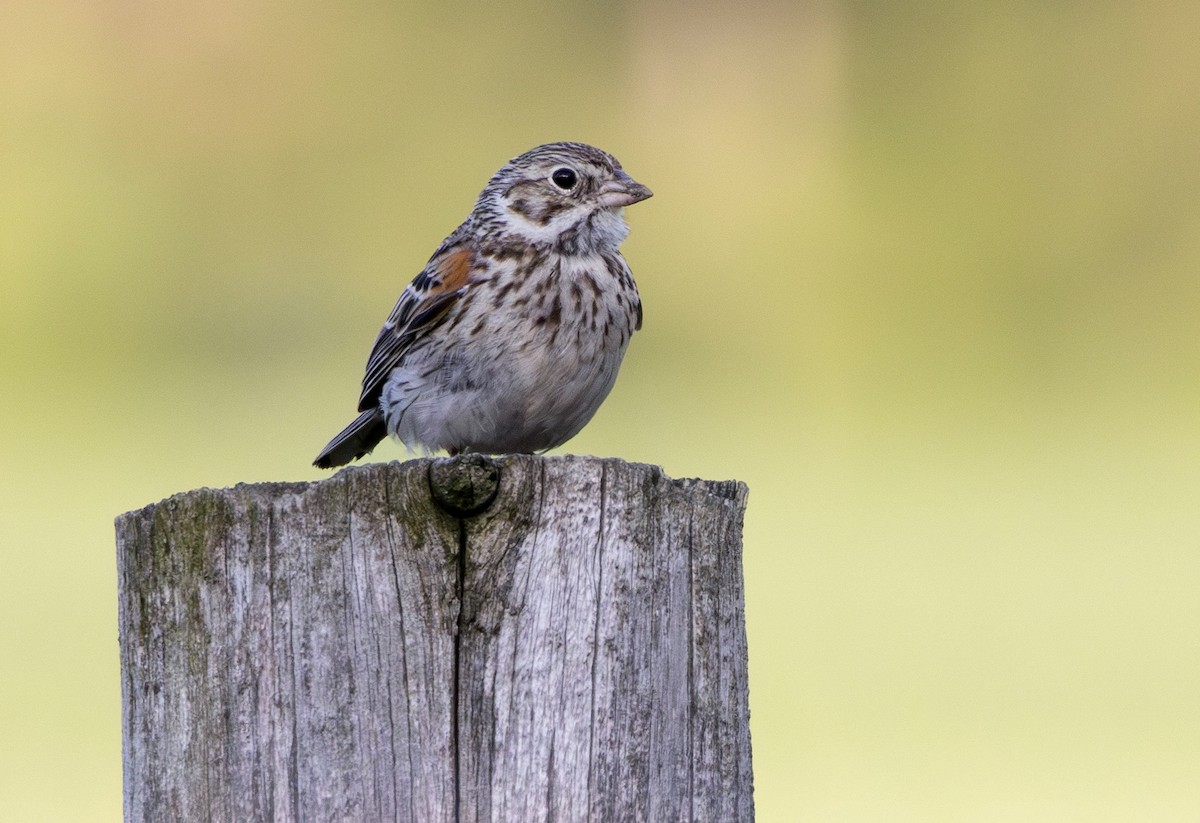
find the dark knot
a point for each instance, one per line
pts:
(464, 485)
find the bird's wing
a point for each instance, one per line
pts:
(423, 304)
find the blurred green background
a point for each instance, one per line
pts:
(926, 276)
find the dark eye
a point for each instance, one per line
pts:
(565, 179)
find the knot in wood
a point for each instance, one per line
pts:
(465, 485)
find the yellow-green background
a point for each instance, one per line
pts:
(925, 275)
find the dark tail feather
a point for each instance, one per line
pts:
(355, 440)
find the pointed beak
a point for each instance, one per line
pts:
(623, 190)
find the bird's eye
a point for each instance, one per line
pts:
(565, 179)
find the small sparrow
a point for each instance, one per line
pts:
(511, 336)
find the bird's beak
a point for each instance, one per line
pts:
(622, 191)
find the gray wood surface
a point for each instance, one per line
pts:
(511, 639)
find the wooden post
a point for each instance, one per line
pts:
(515, 639)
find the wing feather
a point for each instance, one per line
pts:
(424, 303)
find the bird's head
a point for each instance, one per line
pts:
(569, 195)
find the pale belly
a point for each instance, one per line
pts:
(508, 401)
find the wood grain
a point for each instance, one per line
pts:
(472, 639)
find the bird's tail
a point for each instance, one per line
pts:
(355, 440)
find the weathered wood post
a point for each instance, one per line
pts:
(512, 639)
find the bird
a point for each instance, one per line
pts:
(511, 336)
